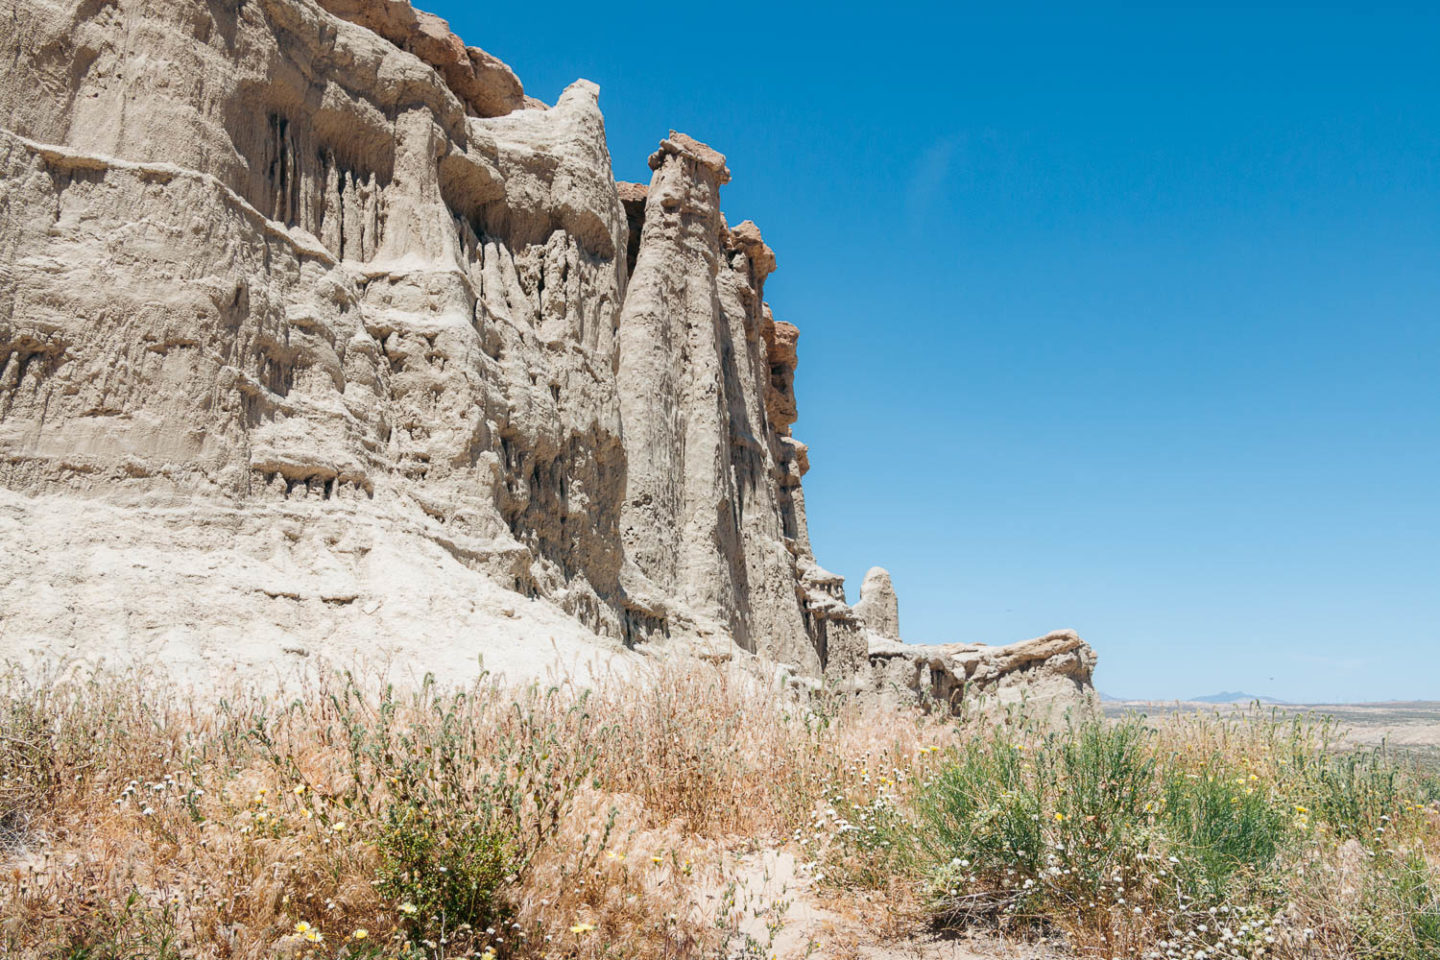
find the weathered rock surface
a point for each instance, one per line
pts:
(878, 606)
(483, 83)
(318, 336)
(1055, 669)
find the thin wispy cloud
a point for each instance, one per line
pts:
(930, 178)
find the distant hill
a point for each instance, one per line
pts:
(1234, 696)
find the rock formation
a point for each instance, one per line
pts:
(878, 606)
(1055, 669)
(317, 335)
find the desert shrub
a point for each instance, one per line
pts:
(442, 871)
(1357, 793)
(1218, 823)
(1103, 778)
(456, 792)
(1199, 837)
(1028, 827)
(982, 805)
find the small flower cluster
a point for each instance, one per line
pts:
(148, 796)
(309, 933)
(1220, 933)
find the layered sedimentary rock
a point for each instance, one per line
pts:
(318, 336)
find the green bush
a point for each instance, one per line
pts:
(441, 871)
(1219, 824)
(983, 807)
(1104, 778)
(456, 811)
(1356, 793)
(1028, 829)
(1196, 839)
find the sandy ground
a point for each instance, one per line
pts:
(772, 886)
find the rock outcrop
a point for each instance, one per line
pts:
(318, 336)
(878, 606)
(1056, 669)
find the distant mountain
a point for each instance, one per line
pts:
(1234, 696)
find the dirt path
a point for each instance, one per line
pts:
(775, 903)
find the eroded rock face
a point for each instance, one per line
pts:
(318, 336)
(703, 518)
(878, 605)
(486, 86)
(1055, 670)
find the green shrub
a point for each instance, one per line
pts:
(1130, 837)
(1220, 823)
(1104, 776)
(441, 871)
(1356, 793)
(1027, 826)
(458, 791)
(983, 806)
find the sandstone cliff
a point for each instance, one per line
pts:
(317, 335)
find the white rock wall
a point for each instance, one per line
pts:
(319, 338)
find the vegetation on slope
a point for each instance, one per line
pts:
(354, 820)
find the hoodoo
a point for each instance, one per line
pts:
(319, 337)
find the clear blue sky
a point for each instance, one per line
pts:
(1126, 321)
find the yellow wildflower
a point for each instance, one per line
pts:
(582, 928)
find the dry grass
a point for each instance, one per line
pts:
(138, 822)
(351, 820)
